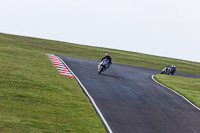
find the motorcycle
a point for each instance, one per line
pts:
(164, 71)
(103, 65)
(167, 70)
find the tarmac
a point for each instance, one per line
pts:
(131, 102)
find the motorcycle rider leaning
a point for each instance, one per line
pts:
(169, 70)
(107, 56)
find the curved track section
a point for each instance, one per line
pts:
(131, 102)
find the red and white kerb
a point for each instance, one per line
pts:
(60, 66)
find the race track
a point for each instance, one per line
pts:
(131, 102)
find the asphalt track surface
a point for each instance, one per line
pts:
(131, 102)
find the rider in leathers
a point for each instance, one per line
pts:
(173, 69)
(107, 56)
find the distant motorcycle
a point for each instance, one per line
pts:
(103, 65)
(168, 70)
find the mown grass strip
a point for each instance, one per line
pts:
(188, 87)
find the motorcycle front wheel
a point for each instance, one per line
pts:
(100, 69)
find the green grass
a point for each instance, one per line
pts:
(188, 87)
(35, 98)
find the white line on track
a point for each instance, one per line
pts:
(91, 99)
(176, 93)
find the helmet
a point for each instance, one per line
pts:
(173, 66)
(106, 54)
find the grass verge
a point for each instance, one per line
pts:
(36, 98)
(188, 87)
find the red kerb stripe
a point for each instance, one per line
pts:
(60, 66)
